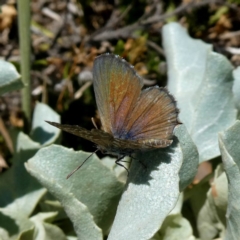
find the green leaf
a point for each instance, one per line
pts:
(49, 204)
(201, 81)
(27, 234)
(229, 146)
(42, 132)
(92, 189)
(13, 225)
(151, 191)
(196, 195)
(9, 78)
(4, 234)
(236, 87)
(42, 229)
(72, 238)
(211, 217)
(25, 143)
(190, 157)
(178, 207)
(22, 188)
(175, 227)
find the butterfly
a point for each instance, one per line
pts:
(133, 120)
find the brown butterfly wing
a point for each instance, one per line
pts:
(126, 147)
(117, 88)
(153, 118)
(96, 136)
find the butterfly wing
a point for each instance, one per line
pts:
(127, 147)
(96, 136)
(117, 88)
(153, 118)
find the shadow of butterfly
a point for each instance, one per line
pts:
(132, 119)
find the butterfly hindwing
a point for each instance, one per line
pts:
(154, 116)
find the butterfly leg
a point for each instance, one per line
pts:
(119, 164)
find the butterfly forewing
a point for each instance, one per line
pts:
(117, 88)
(96, 136)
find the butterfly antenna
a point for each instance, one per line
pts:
(94, 123)
(70, 174)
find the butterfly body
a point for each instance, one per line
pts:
(132, 119)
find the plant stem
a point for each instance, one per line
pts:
(25, 53)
